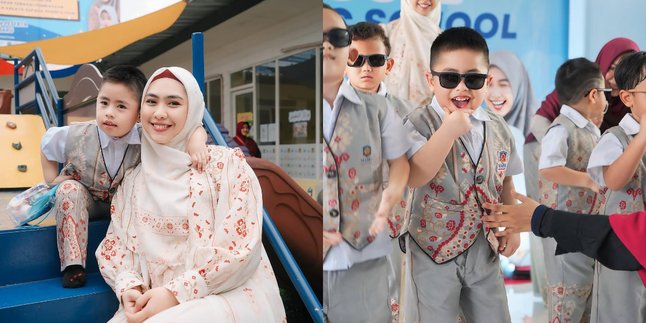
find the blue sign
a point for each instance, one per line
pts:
(536, 31)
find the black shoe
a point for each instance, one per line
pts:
(74, 276)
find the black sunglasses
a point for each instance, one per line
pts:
(374, 60)
(338, 37)
(450, 80)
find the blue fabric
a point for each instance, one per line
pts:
(537, 218)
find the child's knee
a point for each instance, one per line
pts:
(68, 186)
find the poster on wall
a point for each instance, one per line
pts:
(24, 21)
(536, 31)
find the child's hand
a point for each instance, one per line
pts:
(592, 185)
(59, 179)
(378, 225)
(508, 244)
(128, 299)
(457, 123)
(331, 239)
(150, 303)
(199, 156)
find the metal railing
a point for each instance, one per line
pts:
(269, 228)
(45, 101)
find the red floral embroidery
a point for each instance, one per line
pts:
(622, 205)
(450, 225)
(352, 173)
(422, 223)
(241, 228)
(355, 205)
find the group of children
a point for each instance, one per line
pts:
(456, 156)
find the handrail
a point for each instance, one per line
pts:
(44, 87)
(269, 228)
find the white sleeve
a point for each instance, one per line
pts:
(53, 143)
(515, 165)
(395, 141)
(604, 153)
(554, 148)
(417, 140)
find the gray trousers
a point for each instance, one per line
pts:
(618, 296)
(359, 294)
(472, 282)
(569, 283)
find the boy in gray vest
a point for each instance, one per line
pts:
(464, 156)
(367, 74)
(618, 162)
(360, 132)
(565, 185)
(96, 155)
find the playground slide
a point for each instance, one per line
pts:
(297, 215)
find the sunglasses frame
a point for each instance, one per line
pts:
(462, 78)
(361, 59)
(334, 41)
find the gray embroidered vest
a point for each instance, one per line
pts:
(352, 170)
(85, 161)
(574, 199)
(445, 212)
(630, 198)
(402, 107)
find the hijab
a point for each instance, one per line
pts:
(551, 107)
(165, 169)
(524, 102)
(631, 230)
(411, 37)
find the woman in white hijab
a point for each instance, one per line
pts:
(411, 37)
(183, 245)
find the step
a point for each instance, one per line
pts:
(30, 254)
(47, 301)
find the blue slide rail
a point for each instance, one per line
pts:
(269, 228)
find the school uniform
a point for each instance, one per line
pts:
(618, 296)
(453, 261)
(568, 142)
(357, 269)
(96, 162)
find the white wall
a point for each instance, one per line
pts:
(256, 35)
(598, 21)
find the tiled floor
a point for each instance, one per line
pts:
(524, 307)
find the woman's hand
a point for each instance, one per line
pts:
(514, 218)
(150, 303)
(128, 299)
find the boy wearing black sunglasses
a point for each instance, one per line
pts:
(464, 156)
(565, 185)
(360, 133)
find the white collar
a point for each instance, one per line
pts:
(382, 89)
(131, 138)
(629, 124)
(575, 116)
(479, 114)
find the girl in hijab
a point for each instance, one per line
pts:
(411, 37)
(184, 245)
(242, 138)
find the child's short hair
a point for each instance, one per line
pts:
(369, 30)
(459, 38)
(127, 75)
(631, 71)
(575, 78)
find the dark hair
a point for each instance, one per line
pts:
(127, 75)
(369, 30)
(327, 6)
(575, 78)
(459, 38)
(631, 71)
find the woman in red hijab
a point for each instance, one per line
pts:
(242, 138)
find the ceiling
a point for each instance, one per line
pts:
(199, 15)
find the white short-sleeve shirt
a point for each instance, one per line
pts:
(554, 147)
(395, 143)
(55, 139)
(609, 149)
